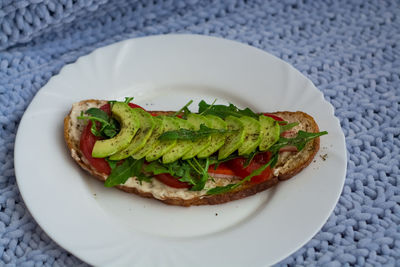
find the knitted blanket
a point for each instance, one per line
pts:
(349, 49)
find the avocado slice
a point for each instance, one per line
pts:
(129, 125)
(252, 138)
(151, 142)
(217, 140)
(162, 147)
(233, 140)
(182, 146)
(143, 134)
(200, 144)
(270, 132)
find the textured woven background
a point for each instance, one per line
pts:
(349, 49)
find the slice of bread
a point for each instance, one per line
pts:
(289, 163)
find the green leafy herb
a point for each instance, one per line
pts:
(112, 163)
(180, 169)
(223, 111)
(99, 114)
(185, 134)
(287, 126)
(209, 107)
(193, 171)
(222, 189)
(186, 173)
(215, 161)
(156, 168)
(299, 141)
(143, 178)
(102, 124)
(121, 173)
(184, 109)
(229, 187)
(250, 158)
(203, 171)
(128, 99)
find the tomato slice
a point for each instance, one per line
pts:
(86, 145)
(273, 116)
(171, 181)
(237, 165)
(135, 106)
(221, 169)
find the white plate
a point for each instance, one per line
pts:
(109, 227)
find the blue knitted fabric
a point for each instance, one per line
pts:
(349, 49)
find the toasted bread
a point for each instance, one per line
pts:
(288, 165)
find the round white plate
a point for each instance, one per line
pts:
(109, 227)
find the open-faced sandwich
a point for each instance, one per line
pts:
(219, 154)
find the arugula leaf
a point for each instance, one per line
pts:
(156, 168)
(102, 124)
(287, 126)
(99, 114)
(177, 169)
(250, 158)
(185, 134)
(184, 109)
(110, 131)
(229, 187)
(221, 189)
(299, 141)
(209, 107)
(142, 177)
(128, 99)
(215, 161)
(223, 111)
(111, 163)
(204, 175)
(186, 176)
(192, 171)
(121, 173)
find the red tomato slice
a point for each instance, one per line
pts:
(273, 116)
(171, 181)
(86, 145)
(135, 106)
(222, 169)
(259, 160)
(106, 108)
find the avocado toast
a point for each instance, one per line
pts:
(217, 155)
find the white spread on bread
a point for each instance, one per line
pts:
(161, 191)
(77, 125)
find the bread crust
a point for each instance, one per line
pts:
(301, 160)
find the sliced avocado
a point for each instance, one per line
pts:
(143, 134)
(233, 140)
(270, 132)
(162, 147)
(182, 146)
(151, 142)
(252, 138)
(200, 144)
(217, 140)
(129, 125)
